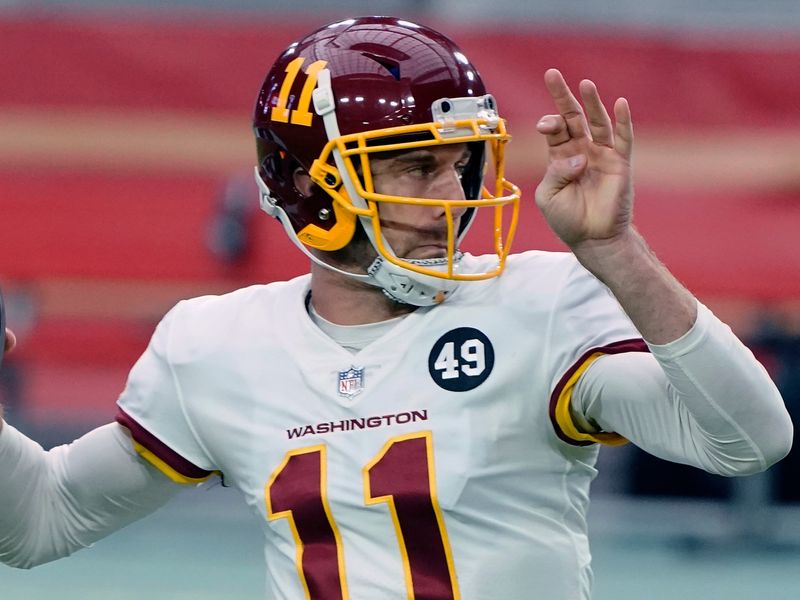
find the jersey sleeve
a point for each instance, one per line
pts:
(59, 501)
(702, 400)
(152, 408)
(586, 323)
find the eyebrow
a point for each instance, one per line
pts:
(416, 157)
(422, 156)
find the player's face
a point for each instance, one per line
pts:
(419, 232)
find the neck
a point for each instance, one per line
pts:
(345, 301)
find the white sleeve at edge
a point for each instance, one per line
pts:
(702, 400)
(54, 503)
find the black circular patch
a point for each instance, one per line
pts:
(461, 359)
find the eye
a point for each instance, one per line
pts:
(421, 170)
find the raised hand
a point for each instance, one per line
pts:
(586, 194)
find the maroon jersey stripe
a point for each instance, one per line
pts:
(631, 345)
(174, 460)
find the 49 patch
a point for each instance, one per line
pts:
(461, 359)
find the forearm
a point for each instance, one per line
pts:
(57, 502)
(703, 401)
(657, 304)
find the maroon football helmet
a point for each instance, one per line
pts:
(368, 85)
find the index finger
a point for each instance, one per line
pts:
(566, 103)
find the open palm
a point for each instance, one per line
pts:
(587, 192)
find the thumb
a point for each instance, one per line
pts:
(560, 173)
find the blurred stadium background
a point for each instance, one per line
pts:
(125, 162)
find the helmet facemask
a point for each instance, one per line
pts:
(344, 171)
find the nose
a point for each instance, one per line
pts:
(448, 187)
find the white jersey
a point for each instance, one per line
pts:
(432, 464)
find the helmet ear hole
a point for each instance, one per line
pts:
(302, 182)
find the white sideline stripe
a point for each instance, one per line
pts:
(164, 141)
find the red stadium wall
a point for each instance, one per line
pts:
(117, 137)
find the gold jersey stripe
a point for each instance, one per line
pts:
(165, 468)
(564, 417)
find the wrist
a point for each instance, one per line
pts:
(657, 304)
(606, 258)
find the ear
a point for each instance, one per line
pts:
(302, 181)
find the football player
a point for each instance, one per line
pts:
(407, 420)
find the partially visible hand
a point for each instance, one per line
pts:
(586, 194)
(11, 341)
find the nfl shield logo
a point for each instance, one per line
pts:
(351, 382)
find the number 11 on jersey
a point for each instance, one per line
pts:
(402, 476)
